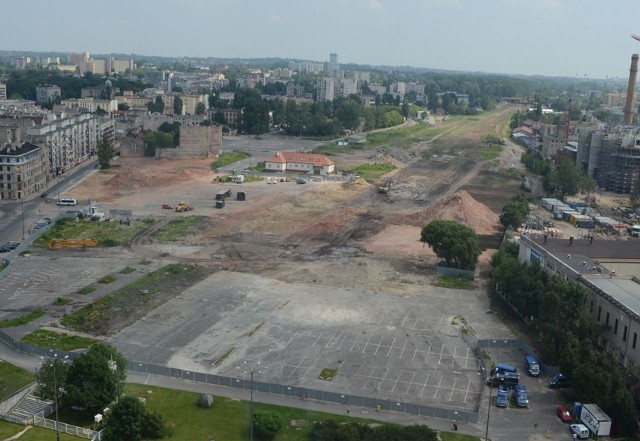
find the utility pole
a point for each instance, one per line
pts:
(250, 371)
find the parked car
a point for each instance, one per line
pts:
(558, 381)
(580, 430)
(563, 414)
(12, 245)
(522, 397)
(502, 397)
(4, 249)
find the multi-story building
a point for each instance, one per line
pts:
(77, 59)
(230, 115)
(609, 272)
(610, 155)
(90, 104)
(46, 93)
(326, 89)
(3, 91)
(347, 86)
(306, 66)
(23, 170)
(293, 89)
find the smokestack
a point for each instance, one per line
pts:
(629, 107)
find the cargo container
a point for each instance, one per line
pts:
(595, 419)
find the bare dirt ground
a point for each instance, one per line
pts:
(300, 233)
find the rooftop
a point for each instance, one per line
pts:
(301, 158)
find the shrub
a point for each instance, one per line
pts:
(266, 425)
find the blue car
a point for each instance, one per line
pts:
(502, 398)
(522, 397)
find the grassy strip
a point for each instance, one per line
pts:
(177, 229)
(86, 290)
(12, 379)
(328, 374)
(127, 302)
(107, 279)
(33, 315)
(109, 233)
(491, 153)
(127, 270)
(454, 282)
(372, 171)
(61, 301)
(228, 158)
(56, 340)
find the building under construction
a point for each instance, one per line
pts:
(611, 155)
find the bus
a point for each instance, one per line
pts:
(67, 202)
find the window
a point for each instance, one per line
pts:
(615, 328)
(606, 322)
(624, 333)
(635, 340)
(599, 312)
(591, 306)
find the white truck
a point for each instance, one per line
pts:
(634, 230)
(238, 179)
(595, 419)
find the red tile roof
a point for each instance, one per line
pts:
(301, 158)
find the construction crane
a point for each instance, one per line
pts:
(635, 37)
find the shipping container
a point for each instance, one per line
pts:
(595, 419)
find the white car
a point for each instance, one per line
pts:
(580, 430)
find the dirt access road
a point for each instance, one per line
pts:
(297, 233)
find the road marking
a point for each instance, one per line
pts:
(437, 388)
(391, 346)
(453, 388)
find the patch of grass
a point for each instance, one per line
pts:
(109, 233)
(56, 340)
(12, 379)
(61, 301)
(109, 278)
(127, 270)
(127, 303)
(7, 429)
(328, 374)
(177, 229)
(372, 171)
(33, 315)
(145, 262)
(228, 419)
(25, 253)
(491, 153)
(228, 158)
(454, 282)
(452, 436)
(86, 290)
(35, 433)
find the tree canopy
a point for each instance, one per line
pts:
(457, 244)
(129, 420)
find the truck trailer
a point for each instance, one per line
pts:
(595, 419)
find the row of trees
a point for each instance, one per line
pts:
(562, 179)
(330, 431)
(556, 312)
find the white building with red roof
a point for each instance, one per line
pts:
(311, 163)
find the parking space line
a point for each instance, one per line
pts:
(319, 337)
(453, 388)
(402, 351)
(466, 394)
(395, 384)
(441, 353)
(391, 346)
(366, 344)
(437, 388)
(453, 358)
(355, 340)
(344, 337)
(404, 320)
(386, 371)
(377, 349)
(410, 383)
(424, 386)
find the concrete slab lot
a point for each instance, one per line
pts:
(408, 348)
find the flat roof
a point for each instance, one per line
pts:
(624, 291)
(599, 249)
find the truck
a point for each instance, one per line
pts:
(634, 230)
(595, 419)
(223, 194)
(238, 179)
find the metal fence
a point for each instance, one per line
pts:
(272, 388)
(40, 421)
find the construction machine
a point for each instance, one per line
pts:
(183, 206)
(386, 188)
(58, 244)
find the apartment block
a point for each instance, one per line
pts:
(23, 170)
(46, 93)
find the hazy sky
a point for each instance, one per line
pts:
(547, 37)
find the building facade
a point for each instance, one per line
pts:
(46, 93)
(23, 170)
(309, 163)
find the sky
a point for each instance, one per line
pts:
(572, 38)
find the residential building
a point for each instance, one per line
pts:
(347, 86)
(77, 59)
(3, 91)
(609, 271)
(306, 66)
(23, 170)
(293, 89)
(310, 163)
(46, 93)
(230, 115)
(326, 89)
(90, 104)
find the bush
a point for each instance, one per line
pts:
(266, 425)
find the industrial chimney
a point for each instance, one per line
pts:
(629, 107)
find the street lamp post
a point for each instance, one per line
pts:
(251, 371)
(486, 432)
(22, 211)
(54, 359)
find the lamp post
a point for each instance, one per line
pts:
(251, 371)
(486, 432)
(22, 212)
(54, 359)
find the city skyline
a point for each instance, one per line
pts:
(571, 38)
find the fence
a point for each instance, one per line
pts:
(272, 388)
(40, 421)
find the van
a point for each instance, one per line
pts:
(67, 202)
(502, 369)
(580, 430)
(532, 365)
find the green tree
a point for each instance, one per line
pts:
(348, 113)
(105, 153)
(125, 420)
(514, 213)
(266, 425)
(156, 106)
(200, 108)
(96, 378)
(46, 384)
(457, 244)
(177, 105)
(625, 411)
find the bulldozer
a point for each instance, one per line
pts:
(183, 206)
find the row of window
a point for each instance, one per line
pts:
(625, 331)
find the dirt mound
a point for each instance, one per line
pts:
(459, 207)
